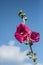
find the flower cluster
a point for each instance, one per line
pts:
(24, 33)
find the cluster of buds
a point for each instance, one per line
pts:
(24, 34)
(22, 15)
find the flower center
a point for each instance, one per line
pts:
(21, 33)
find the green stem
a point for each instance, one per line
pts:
(35, 63)
(31, 48)
(32, 53)
(23, 20)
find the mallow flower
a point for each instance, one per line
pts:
(22, 32)
(34, 37)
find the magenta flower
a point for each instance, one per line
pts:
(22, 32)
(34, 37)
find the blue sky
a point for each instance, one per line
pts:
(9, 19)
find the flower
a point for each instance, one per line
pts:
(34, 37)
(22, 32)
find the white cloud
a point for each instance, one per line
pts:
(30, 64)
(11, 53)
(39, 64)
(27, 64)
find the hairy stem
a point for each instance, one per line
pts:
(33, 57)
(23, 20)
(31, 48)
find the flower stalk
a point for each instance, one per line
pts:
(23, 20)
(29, 37)
(31, 48)
(32, 55)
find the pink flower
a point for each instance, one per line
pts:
(34, 37)
(22, 32)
